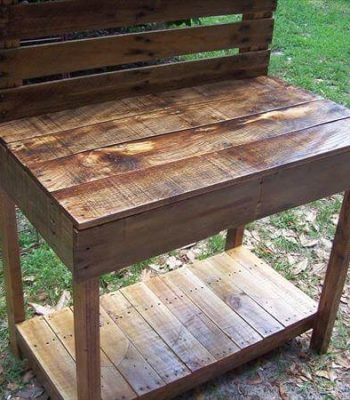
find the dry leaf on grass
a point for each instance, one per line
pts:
(63, 301)
(283, 392)
(300, 267)
(146, 275)
(42, 310)
(323, 374)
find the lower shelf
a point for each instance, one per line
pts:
(164, 336)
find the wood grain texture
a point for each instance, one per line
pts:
(234, 237)
(11, 268)
(183, 314)
(77, 55)
(333, 286)
(47, 18)
(87, 339)
(58, 95)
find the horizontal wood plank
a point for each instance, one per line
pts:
(36, 61)
(128, 328)
(160, 147)
(75, 92)
(48, 18)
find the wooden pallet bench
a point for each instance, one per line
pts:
(113, 167)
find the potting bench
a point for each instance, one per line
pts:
(118, 164)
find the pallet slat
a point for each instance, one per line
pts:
(53, 96)
(48, 18)
(138, 320)
(77, 55)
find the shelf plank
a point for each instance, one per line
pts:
(237, 299)
(168, 327)
(169, 334)
(113, 384)
(140, 333)
(198, 324)
(229, 322)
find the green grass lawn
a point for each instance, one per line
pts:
(311, 49)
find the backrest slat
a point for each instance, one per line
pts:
(56, 17)
(84, 66)
(76, 55)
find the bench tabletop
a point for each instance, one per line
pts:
(108, 161)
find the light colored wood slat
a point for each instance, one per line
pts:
(37, 99)
(261, 291)
(114, 386)
(155, 186)
(126, 358)
(222, 315)
(258, 267)
(11, 263)
(236, 298)
(254, 100)
(90, 166)
(144, 338)
(47, 18)
(195, 321)
(336, 276)
(49, 59)
(55, 362)
(168, 327)
(87, 339)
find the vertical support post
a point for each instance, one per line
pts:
(333, 286)
(234, 237)
(252, 16)
(12, 268)
(87, 339)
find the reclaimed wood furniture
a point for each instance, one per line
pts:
(116, 165)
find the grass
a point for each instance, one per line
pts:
(311, 49)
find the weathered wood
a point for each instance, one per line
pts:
(77, 55)
(11, 268)
(179, 309)
(253, 17)
(87, 339)
(47, 18)
(234, 237)
(52, 96)
(173, 226)
(333, 286)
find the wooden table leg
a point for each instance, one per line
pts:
(234, 237)
(334, 282)
(87, 339)
(12, 268)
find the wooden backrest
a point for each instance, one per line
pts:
(40, 40)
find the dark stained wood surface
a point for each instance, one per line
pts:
(74, 72)
(48, 18)
(162, 337)
(186, 143)
(78, 55)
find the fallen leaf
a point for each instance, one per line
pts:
(256, 380)
(63, 301)
(42, 310)
(28, 376)
(146, 275)
(283, 392)
(12, 386)
(323, 374)
(172, 262)
(308, 243)
(300, 267)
